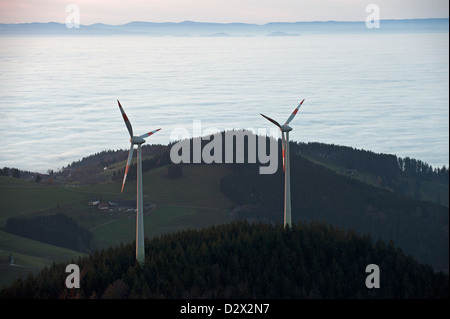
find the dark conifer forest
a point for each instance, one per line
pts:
(318, 194)
(243, 260)
(420, 228)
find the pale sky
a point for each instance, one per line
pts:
(223, 11)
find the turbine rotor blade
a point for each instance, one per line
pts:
(130, 157)
(149, 133)
(273, 121)
(127, 121)
(293, 113)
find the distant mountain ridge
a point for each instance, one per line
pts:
(191, 28)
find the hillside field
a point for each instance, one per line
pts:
(191, 202)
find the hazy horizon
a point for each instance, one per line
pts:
(116, 12)
(237, 22)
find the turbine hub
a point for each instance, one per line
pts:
(286, 128)
(137, 140)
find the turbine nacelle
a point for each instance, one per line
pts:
(285, 127)
(137, 140)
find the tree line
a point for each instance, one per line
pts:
(14, 172)
(388, 166)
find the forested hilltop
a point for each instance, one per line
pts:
(406, 176)
(376, 194)
(420, 228)
(242, 260)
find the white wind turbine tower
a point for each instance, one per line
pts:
(285, 129)
(137, 140)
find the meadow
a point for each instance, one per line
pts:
(190, 202)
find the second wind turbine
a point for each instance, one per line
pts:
(137, 140)
(285, 129)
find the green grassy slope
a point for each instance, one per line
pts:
(199, 186)
(29, 256)
(19, 197)
(192, 201)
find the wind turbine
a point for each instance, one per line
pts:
(285, 129)
(137, 140)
